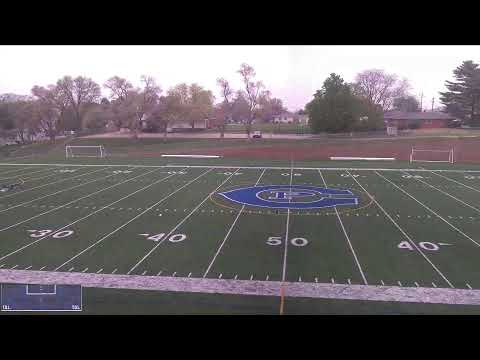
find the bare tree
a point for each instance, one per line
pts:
(225, 109)
(380, 88)
(48, 109)
(80, 93)
(253, 90)
(122, 95)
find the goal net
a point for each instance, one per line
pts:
(428, 155)
(85, 151)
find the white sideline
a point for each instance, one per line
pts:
(247, 287)
(20, 175)
(403, 232)
(248, 167)
(192, 156)
(360, 158)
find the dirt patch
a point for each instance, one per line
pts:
(466, 149)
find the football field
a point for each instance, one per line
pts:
(283, 231)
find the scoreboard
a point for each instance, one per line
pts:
(37, 297)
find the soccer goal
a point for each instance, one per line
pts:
(85, 151)
(428, 155)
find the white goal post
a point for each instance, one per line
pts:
(85, 151)
(429, 155)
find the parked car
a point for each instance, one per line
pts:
(257, 135)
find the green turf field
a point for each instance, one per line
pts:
(165, 221)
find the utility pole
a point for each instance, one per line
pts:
(421, 101)
(433, 102)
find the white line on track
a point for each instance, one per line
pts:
(434, 285)
(144, 272)
(28, 267)
(469, 286)
(229, 231)
(189, 274)
(250, 167)
(57, 192)
(85, 217)
(52, 183)
(12, 171)
(236, 276)
(99, 271)
(85, 270)
(357, 262)
(2, 266)
(182, 221)
(416, 284)
(401, 230)
(159, 272)
(399, 283)
(114, 271)
(381, 281)
(78, 199)
(135, 217)
(429, 209)
(13, 267)
(71, 268)
(43, 267)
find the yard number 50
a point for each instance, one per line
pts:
(277, 240)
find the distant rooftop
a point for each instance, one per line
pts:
(418, 115)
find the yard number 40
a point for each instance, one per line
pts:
(425, 245)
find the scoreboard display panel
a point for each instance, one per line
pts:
(38, 297)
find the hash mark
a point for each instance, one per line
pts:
(416, 284)
(469, 286)
(189, 274)
(43, 267)
(114, 271)
(300, 279)
(2, 266)
(434, 285)
(333, 281)
(267, 278)
(99, 271)
(235, 277)
(28, 267)
(349, 282)
(71, 269)
(399, 283)
(383, 284)
(316, 280)
(174, 274)
(13, 267)
(220, 276)
(251, 277)
(144, 272)
(85, 270)
(159, 272)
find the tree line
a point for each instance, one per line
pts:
(78, 104)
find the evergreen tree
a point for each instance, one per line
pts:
(463, 96)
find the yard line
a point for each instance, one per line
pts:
(134, 218)
(433, 212)
(85, 217)
(347, 238)
(76, 200)
(54, 182)
(247, 167)
(57, 192)
(229, 231)
(20, 175)
(14, 170)
(182, 221)
(458, 182)
(400, 229)
(445, 193)
(285, 250)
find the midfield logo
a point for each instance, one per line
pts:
(291, 197)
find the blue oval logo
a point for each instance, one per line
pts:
(291, 196)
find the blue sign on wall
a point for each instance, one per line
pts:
(291, 196)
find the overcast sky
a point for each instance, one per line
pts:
(292, 73)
